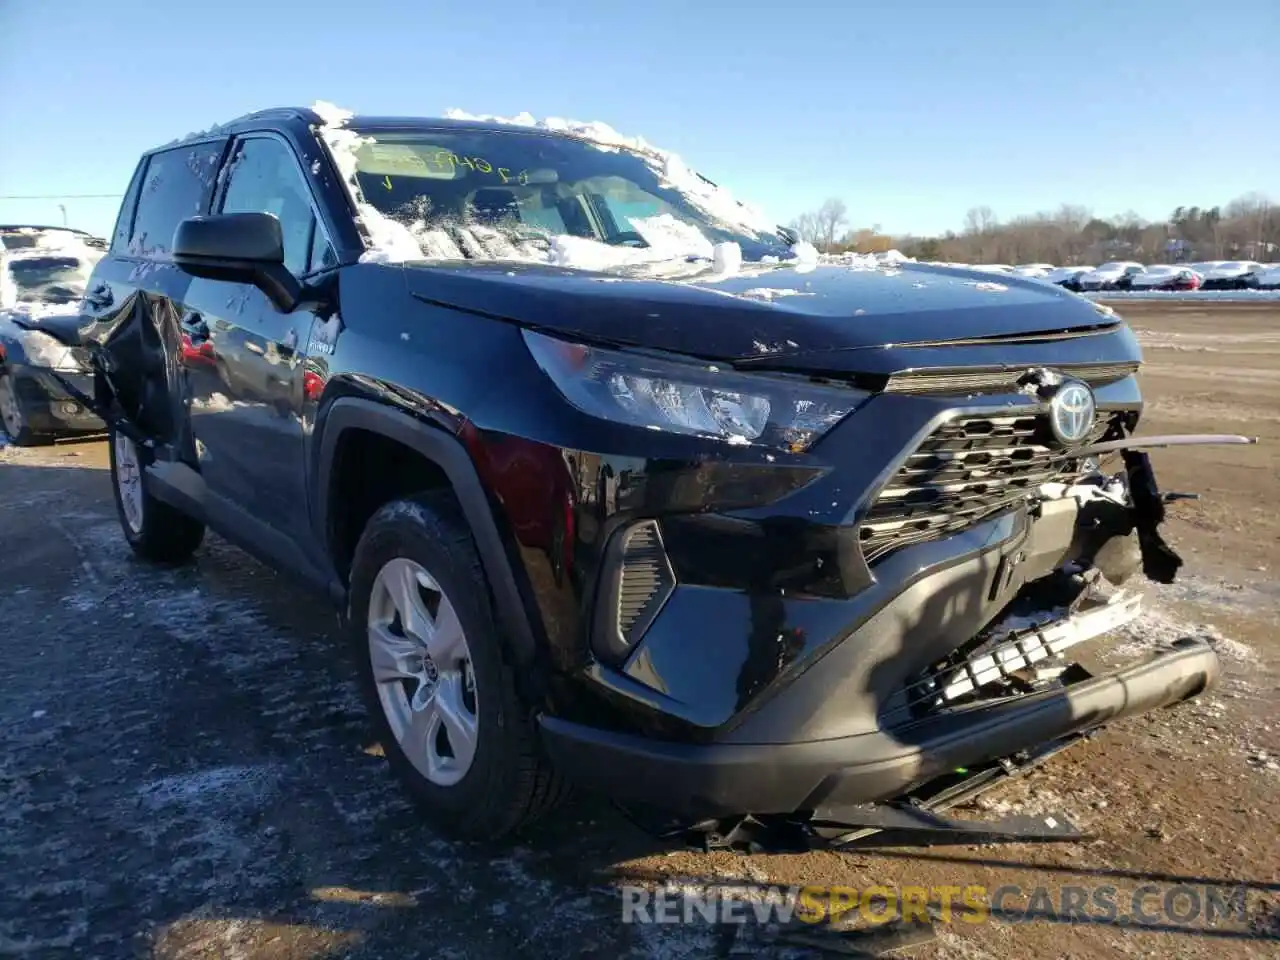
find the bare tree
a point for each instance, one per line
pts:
(831, 216)
(808, 227)
(821, 227)
(979, 220)
(1248, 228)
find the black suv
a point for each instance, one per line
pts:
(616, 484)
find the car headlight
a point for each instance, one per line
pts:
(697, 399)
(43, 350)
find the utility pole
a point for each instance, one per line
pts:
(63, 208)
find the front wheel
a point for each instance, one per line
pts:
(156, 531)
(438, 685)
(13, 418)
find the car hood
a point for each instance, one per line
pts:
(772, 312)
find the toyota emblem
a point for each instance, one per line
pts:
(1072, 411)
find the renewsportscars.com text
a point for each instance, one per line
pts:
(1149, 905)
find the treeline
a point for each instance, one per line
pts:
(1248, 228)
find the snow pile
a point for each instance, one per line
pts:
(806, 252)
(866, 261)
(726, 259)
(714, 201)
(669, 239)
(673, 237)
(389, 241)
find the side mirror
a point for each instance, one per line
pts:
(792, 237)
(241, 248)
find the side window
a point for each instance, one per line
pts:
(175, 185)
(263, 177)
(124, 219)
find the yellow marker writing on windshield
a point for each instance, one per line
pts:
(386, 181)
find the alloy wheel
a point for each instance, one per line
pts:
(423, 672)
(129, 482)
(10, 412)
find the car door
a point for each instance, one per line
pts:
(135, 295)
(245, 360)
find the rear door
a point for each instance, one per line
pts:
(136, 294)
(244, 356)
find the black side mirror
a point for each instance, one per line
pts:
(241, 248)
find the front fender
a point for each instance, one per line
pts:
(447, 452)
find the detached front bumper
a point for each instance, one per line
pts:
(707, 780)
(48, 408)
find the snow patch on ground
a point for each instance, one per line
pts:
(211, 786)
(773, 293)
(1158, 626)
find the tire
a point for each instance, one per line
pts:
(157, 532)
(13, 420)
(496, 780)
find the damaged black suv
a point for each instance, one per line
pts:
(617, 484)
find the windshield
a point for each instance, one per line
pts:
(49, 279)
(484, 194)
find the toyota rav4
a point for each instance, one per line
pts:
(615, 482)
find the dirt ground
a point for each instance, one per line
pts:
(185, 770)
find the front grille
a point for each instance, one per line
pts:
(987, 381)
(969, 469)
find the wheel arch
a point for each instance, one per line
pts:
(443, 450)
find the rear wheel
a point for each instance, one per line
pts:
(13, 418)
(442, 696)
(155, 530)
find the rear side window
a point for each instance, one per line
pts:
(175, 185)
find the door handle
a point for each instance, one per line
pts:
(99, 296)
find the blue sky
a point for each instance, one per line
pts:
(910, 112)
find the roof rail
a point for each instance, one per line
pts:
(283, 113)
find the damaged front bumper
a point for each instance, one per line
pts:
(719, 779)
(879, 720)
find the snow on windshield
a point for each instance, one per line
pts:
(656, 234)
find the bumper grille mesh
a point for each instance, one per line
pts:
(969, 469)
(646, 581)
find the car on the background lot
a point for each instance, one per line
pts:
(1114, 275)
(1165, 277)
(1229, 275)
(25, 236)
(41, 287)
(1065, 276)
(1033, 269)
(614, 483)
(1265, 277)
